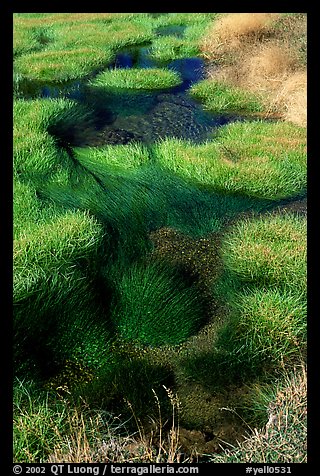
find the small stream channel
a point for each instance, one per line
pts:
(123, 116)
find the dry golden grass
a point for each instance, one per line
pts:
(271, 63)
(91, 439)
(291, 97)
(260, 52)
(232, 30)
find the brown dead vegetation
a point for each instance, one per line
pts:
(263, 53)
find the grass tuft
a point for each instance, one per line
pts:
(154, 307)
(61, 65)
(269, 251)
(222, 98)
(265, 286)
(151, 78)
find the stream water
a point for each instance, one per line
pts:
(123, 116)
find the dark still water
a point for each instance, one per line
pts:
(122, 116)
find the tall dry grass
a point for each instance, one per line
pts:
(232, 30)
(92, 439)
(263, 53)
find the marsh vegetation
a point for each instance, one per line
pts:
(159, 259)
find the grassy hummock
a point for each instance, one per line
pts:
(222, 98)
(265, 285)
(257, 159)
(51, 246)
(151, 78)
(37, 155)
(62, 65)
(283, 437)
(166, 48)
(269, 251)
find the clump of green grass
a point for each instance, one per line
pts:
(53, 245)
(168, 48)
(28, 210)
(25, 41)
(222, 98)
(155, 307)
(43, 115)
(61, 333)
(270, 251)
(265, 286)
(258, 159)
(120, 201)
(30, 37)
(37, 155)
(184, 18)
(62, 65)
(46, 428)
(53, 289)
(33, 430)
(151, 78)
(36, 20)
(266, 327)
(284, 438)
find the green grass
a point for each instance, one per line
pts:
(61, 65)
(224, 99)
(26, 41)
(51, 430)
(34, 433)
(37, 154)
(151, 78)
(270, 251)
(65, 304)
(184, 18)
(107, 37)
(54, 245)
(155, 307)
(168, 48)
(46, 428)
(28, 210)
(265, 287)
(257, 159)
(263, 308)
(73, 45)
(266, 327)
(114, 157)
(43, 115)
(54, 289)
(36, 20)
